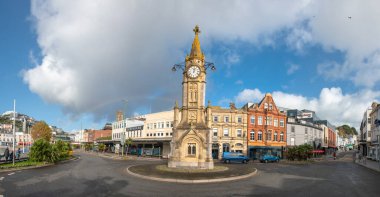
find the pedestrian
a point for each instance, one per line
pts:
(6, 154)
(18, 154)
(11, 156)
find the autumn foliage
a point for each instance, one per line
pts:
(41, 130)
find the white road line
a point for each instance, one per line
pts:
(1, 178)
(11, 173)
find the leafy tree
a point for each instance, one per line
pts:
(41, 130)
(345, 131)
(62, 149)
(41, 151)
(102, 147)
(128, 143)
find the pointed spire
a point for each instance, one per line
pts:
(196, 51)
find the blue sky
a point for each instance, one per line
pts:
(72, 65)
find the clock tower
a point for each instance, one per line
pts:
(191, 142)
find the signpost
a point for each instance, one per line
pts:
(122, 142)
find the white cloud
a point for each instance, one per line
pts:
(96, 53)
(239, 82)
(332, 104)
(249, 95)
(292, 68)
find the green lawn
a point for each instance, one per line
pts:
(21, 164)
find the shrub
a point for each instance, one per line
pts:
(41, 151)
(301, 152)
(61, 150)
(101, 147)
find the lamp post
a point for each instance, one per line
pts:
(14, 130)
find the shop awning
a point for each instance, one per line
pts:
(318, 151)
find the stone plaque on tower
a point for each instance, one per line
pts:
(191, 142)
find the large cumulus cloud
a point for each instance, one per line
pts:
(96, 53)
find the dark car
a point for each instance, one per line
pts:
(229, 157)
(269, 158)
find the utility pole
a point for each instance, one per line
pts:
(14, 130)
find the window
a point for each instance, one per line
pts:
(269, 135)
(252, 135)
(281, 123)
(306, 130)
(167, 124)
(167, 134)
(238, 132)
(269, 120)
(369, 120)
(215, 118)
(171, 133)
(239, 119)
(275, 136)
(171, 124)
(282, 137)
(215, 131)
(292, 129)
(292, 142)
(226, 119)
(191, 149)
(225, 132)
(259, 135)
(265, 105)
(275, 122)
(260, 120)
(252, 119)
(155, 126)
(270, 106)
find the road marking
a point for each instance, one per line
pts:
(11, 173)
(2, 178)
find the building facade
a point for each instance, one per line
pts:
(301, 132)
(229, 130)
(365, 132)
(267, 128)
(374, 150)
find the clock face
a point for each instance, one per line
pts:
(193, 71)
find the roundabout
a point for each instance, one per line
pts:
(220, 173)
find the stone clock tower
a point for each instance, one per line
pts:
(191, 143)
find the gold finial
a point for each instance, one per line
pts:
(196, 51)
(196, 30)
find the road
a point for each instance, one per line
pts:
(95, 176)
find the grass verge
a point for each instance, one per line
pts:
(21, 164)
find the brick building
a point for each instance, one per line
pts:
(266, 128)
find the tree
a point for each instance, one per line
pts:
(101, 147)
(41, 130)
(301, 152)
(42, 151)
(128, 143)
(345, 131)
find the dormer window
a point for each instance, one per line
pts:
(265, 105)
(270, 106)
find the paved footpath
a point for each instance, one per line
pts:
(97, 176)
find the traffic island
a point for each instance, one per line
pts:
(220, 173)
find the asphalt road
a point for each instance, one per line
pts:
(95, 176)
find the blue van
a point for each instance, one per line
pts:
(229, 157)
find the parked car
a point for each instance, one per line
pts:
(229, 157)
(269, 158)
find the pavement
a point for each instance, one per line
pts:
(92, 175)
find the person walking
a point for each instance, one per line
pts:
(18, 155)
(6, 154)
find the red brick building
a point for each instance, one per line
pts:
(266, 128)
(102, 134)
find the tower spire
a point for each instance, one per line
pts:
(196, 51)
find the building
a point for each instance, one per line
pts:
(365, 133)
(374, 150)
(156, 135)
(267, 128)
(229, 130)
(302, 132)
(119, 129)
(191, 142)
(102, 134)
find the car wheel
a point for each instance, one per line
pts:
(245, 161)
(227, 161)
(266, 161)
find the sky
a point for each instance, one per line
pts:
(73, 64)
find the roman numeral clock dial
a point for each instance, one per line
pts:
(193, 71)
